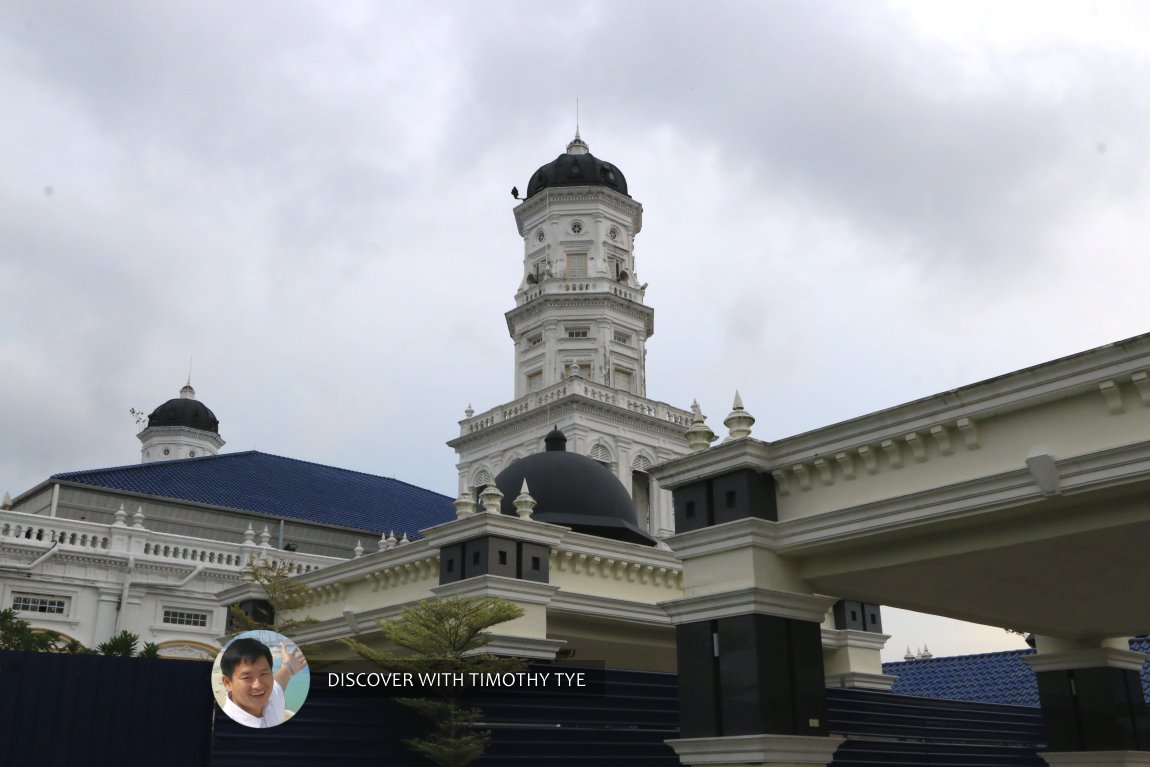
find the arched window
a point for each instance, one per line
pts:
(482, 479)
(641, 490)
(600, 452)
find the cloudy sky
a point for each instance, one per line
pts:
(847, 206)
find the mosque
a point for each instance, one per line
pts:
(755, 569)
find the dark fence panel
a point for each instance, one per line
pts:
(96, 711)
(628, 725)
(329, 730)
(885, 729)
(92, 711)
(335, 729)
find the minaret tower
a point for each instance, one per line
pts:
(580, 328)
(579, 307)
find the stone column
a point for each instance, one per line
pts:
(852, 647)
(749, 633)
(1092, 702)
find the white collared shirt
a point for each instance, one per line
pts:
(273, 711)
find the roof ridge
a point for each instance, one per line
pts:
(138, 466)
(224, 456)
(965, 656)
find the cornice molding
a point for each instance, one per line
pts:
(485, 523)
(349, 570)
(950, 420)
(533, 417)
(747, 601)
(511, 589)
(1095, 657)
(626, 610)
(540, 202)
(973, 498)
(729, 536)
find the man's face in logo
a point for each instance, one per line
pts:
(250, 685)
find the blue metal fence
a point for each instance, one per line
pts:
(91, 711)
(96, 711)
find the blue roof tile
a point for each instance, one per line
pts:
(280, 487)
(998, 677)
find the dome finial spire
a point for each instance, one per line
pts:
(187, 392)
(578, 145)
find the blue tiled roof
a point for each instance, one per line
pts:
(997, 677)
(280, 487)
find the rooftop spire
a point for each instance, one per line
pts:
(577, 145)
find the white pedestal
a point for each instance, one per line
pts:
(756, 750)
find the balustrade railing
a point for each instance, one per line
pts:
(20, 528)
(580, 386)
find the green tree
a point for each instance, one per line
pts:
(18, 634)
(446, 635)
(123, 644)
(283, 594)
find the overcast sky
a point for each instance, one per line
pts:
(846, 206)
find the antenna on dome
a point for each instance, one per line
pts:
(576, 117)
(189, 370)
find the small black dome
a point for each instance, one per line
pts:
(574, 491)
(187, 411)
(577, 170)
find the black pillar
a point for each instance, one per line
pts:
(753, 673)
(1094, 709)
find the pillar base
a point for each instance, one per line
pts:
(861, 681)
(1097, 758)
(755, 750)
(534, 648)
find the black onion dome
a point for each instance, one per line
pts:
(577, 170)
(185, 411)
(574, 491)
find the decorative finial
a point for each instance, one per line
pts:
(925, 654)
(138, 518)
(739, 421)
(249, 536)
(524, 503)
(121, 517)
(576, 370)
(357, 552)
(577, 145)
(403, 540)
(491, 498)
(383, 542)
(391, 541)
(266, 538)
(464, 505)
(7, 500)
(909, 655)
(699, 436)
(189, 370)
(469, 411)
